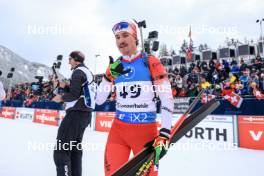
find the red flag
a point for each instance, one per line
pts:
(190, 33)
(189, 55)
(258, 94)
(210, 97)
(190, 48)
(206, 98)
(234, 99)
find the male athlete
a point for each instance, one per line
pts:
(134, 78)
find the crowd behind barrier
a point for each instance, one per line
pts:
(250, 106)
(217, 77)
(35, 94)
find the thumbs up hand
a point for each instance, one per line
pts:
(115, 69)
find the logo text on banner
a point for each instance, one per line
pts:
(251, 132)
(25, 114)
(104, 121)
(48, 117)
(181, 105)
(8, 112)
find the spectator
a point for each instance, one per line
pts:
(2, 94)
(194, 76)
(204, 84)
(216, 90)
(30, 100)
(183, 71)
(204, 67)
(254, 77)
(235, 69)
(212, 64)
(261, 82)
(245, 80)
(179, 81)
(227, 89)
(192, 91)
(233, 62)
(243, 65)
(174, 91)
(183, 92)
(257, 65)
(226, 66)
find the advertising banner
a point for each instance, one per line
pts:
(104, 121)
(8, 112)
(25, 114)
(181, 105)
(251, 132)
(45, 116)
(214, 128)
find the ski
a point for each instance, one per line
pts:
(183, 126)
(187, 125)
(141, 155)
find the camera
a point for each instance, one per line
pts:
(39, 78)
(151, 44)
(10, 74)
(37, 87)
(142, 24)
(56, 65)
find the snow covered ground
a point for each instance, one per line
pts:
(26, 150)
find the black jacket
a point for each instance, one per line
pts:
(78, 77)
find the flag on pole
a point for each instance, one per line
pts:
(258, 94)
(234, 99)
(206, 97)
(190, 48)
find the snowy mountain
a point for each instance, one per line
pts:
(25, 71)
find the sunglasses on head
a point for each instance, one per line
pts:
(120, 26)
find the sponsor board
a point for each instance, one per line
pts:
(251, 132)
(25, 114)
(214, 128)
(45, 116)
(8, 112)
(181, 105)
(104, 121)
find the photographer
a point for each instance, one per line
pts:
(78, 116)
(2, 92)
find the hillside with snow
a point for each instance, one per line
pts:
(25, 71)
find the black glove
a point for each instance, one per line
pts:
(160, 144)
(115, 69)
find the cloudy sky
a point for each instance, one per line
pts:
(39, 30)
